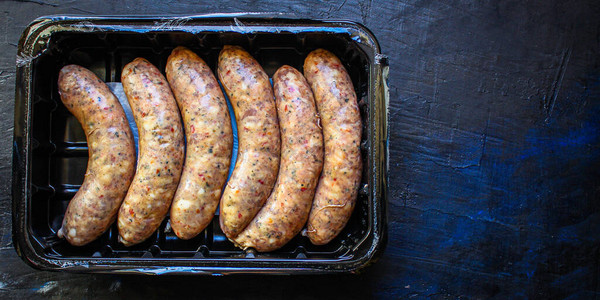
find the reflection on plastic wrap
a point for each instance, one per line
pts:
(238, 24)
(24, 59)
(87, 26)
(117, 89)
(170, 24)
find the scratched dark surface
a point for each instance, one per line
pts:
(494, 154)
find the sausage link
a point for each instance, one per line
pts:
(255, 172)
(338, 186)
(286, 210)
(209, 142)
(111, 155)
(160, 157)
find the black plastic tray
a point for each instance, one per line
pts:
(50, 150)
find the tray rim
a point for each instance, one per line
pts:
(29, 49)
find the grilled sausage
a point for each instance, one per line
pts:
(255, 172)
(160, 157)
(286, 210)
(338, 186)
(209, 142)
(111, 155)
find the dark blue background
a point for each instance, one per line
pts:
(494, 153)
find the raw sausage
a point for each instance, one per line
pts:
(111, 155)
(255, 172)
(338, 186)
(209, 142)
(161, 148)
(286, 210)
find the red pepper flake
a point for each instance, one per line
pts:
(285, 108)
(197, 211)
(157, 171)
(302, 189)
(106, 108)
(192, 129)
(261, 182)
(131, 211)
(143, 114)
(239, 215)
(335, 179)
(101, 196)
(228, 71)
(172, 130)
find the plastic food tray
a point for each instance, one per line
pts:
(50, 151)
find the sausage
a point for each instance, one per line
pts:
(286, 210)
(111, 155)
(255, 172)
(209, 142)
(338, 186)
(160, 157)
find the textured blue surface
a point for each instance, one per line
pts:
(494, 185)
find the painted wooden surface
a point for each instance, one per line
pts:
(494, 153)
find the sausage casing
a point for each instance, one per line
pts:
(286, 210)
(160, 155)
(111, 155)
(255, 172)
(209, 142)
(340, 118)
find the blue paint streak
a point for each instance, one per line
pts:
(507, 209)
(575, 138)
